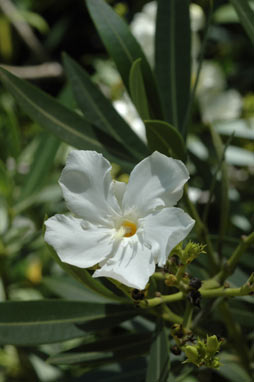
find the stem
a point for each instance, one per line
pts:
(180, 272)
(152, 302)
(187, 318)
(205, 293)
(230, 265)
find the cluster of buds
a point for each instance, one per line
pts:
(203, 353)
(176, 276)
(189, 253)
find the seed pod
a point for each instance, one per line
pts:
(195, 283)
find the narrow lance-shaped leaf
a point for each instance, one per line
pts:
(41, 164)
(246, 16)
(62, 122)
(97, 108)
(159, 361)
(173, 58)
(48, 321)
(137, 89)
(124, 49)
(84, 277)
(109, 349)
(165, 138)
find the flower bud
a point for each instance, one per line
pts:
(212, 344)
(191, 353)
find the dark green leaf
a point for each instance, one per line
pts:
(62, 122)
(173, 58)
(67, 288)
(85, 278)
(47, 321)
(106, 351)
(231, 370)
(137, 89)
(246, 16)
(126, 371)
(123, 48)
(41, 164)
(97, 108)
(165, 138)
(159, 362)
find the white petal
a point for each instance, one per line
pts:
(164, 229)
(119, 190)
(77, 242)
(87, 186)
(132, 265)
(157, 181)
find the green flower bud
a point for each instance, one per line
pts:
(212, 344)
(191, 353)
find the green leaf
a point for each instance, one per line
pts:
(165, 138)
(231, 370)
(159, 363)
(41, 165)
(124, 49)
(48, 321)
(173, 58)
(109, 350)
(84, 277)
(6, 183)
(137, 89)
(96, 107)
(68, 288)
(62, 122)
(246, 16)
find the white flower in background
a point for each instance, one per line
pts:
(217, 104)
(126, 109)
(124, 228)
(143, 28)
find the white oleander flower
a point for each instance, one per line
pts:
(124, 228)
(127, 110)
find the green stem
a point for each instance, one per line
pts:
(205, 293)
(152, 302)
(187, 318)
(166, 314)
(230, 265)
(180, 272)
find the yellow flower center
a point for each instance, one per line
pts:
(130, 228)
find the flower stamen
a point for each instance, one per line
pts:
(129, 227)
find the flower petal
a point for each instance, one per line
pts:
(132, 265)
(157, 181)
(87, 186)
(164, 229)
(119, 190)
(77, 242)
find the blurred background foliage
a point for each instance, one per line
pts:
(33, 36)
